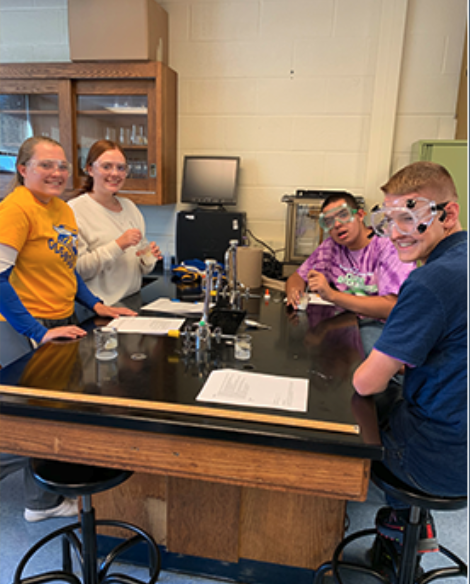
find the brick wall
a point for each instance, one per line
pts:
(310, 93)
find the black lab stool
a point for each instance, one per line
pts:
(78, 480)
(403, 570)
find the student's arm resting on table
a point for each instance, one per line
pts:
(14, 311)
(320, 260)
(295, 287)
(88, 299)
(374, 374)
(112, 311)
(378, 307)
(84, 294)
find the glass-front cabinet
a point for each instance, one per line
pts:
(133, 104)
(23, 115)
(111, 111)
(27, 108)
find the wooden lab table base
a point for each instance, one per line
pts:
(214, 499)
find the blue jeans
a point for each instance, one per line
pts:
(35, 497)
(370, 330)
(13, 345)
(406, 458)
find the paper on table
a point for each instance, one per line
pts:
(146, 325)
(314, 298)
(175, 306)
(243, 388)
(317, 299)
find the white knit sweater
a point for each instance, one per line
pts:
(108, 271)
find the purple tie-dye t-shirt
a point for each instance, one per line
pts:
(374, 270)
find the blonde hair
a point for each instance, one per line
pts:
(422, 176)
(25, 153)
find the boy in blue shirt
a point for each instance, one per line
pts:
(425, 432)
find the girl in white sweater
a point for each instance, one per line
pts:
(111, 228)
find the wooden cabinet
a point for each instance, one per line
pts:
(133, 103)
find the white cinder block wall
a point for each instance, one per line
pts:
(320, 94)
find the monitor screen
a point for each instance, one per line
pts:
(210, 180)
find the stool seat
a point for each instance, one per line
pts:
(75, 480)
(79, 540)
(396, 488)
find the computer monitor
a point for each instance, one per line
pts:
(210, 180)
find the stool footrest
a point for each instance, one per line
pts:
(70, 540)
(460, 569)
(56, 576)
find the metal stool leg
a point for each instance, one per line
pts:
(66, 556)
(90, 556)
(406, 571)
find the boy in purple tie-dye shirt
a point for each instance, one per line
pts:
(374, 270)
(352, 268)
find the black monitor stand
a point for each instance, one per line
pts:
(202, 208)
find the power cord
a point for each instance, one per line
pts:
(272, 267)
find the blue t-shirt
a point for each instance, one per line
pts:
(427, 330)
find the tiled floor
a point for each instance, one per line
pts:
(16, 536)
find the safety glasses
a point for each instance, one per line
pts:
(46, 166)
(109, 167)
(416, 216)
(343, 214)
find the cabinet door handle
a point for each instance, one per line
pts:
(153, 171)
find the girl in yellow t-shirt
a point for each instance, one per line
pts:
(38, 251)
(38, 281)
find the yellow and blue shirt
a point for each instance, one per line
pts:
(43, 278)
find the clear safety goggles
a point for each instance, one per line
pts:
(109, 167)
(416, 216)
(343, 214)
(50, 166)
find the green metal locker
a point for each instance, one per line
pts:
(452, 154)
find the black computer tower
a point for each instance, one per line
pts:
(205, 234)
